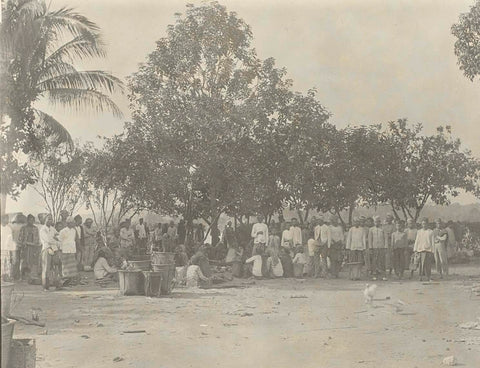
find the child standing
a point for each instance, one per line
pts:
(299, 262)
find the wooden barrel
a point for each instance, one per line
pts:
(131, 282)
(153, 283)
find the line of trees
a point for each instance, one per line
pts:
(215, 130)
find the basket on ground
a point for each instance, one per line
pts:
(140, 265)
(161, 258)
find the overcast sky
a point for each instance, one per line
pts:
(371, 61)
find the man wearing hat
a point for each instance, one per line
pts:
(63, 220)
(89, 244)
(68, 240)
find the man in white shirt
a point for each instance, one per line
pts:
(336, 243)
(49, 242)
(321, 236)
(259, 235)
(68, 240)
(127, 239)
(423, 249)
(141, 232)
(8, 253)
(377, 243)
(296, 232)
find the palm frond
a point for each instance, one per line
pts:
(67, 20)
(91, 79)
(81, 99)
(80, 47)
(54, 70)
(53, 128)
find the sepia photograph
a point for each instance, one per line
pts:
(235, 183)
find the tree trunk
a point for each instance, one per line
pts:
(350, 214)
(4, 204)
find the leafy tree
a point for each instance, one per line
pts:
(467, 45)
(188, 103)
(353, 158)
(424, 168)
(57, 177)
(102, 183)
(15, 174)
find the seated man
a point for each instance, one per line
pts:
(102, 269)
(195, 277)
(200, 259)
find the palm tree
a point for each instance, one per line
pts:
(39, 49)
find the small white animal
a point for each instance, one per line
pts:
(369, 293)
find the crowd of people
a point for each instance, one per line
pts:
(369, 248)
(53, 254)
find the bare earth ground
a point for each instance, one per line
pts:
(271, 323)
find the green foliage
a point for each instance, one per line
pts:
(467, 45)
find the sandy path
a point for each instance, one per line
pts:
(273, 323)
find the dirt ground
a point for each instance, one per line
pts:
(268, 323)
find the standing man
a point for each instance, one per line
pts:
(229, 240)
(287, 240)
(296, 232)
(440, 241)
(366, 224)
(142, 236)
(259, 235)
(8, 250)
(80, 242)
(321, 237)
(68, 249)
(89, 244)
(424, 248)
(411, 232)
(127, 239)
(389, 229)
(377, 242)
(452, 240)
(336, 244)
(48, 239)
(63, 220)
(356, 242)
(181, 231)
(29, 245)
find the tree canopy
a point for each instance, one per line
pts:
(467, 45)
